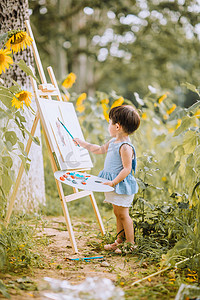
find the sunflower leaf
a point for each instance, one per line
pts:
(17, 84)
(14, 89)
(11, 137)
(26, 69)
(7, 161)
(6, 97)
(36, 140)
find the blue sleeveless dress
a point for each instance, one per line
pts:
(124, 190)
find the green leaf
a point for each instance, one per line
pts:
(14, 89)
(3, 290)
(21, 118)
(6, 97)
(27, 167)
(11, 137)
(190, 142)
(160, 138)
(21, 147)
(187, 122)
(193, 107)
(191, 87)
(36, 140)
(27, 70)
(25, 164)
(8, 146)
(2, 113)
(166, 209)
(142, 184)
(7, 161)
(6, 183)
(1, 145)
(2, 254)
(151, 206)
(176, 167)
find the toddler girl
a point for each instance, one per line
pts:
(118, 166)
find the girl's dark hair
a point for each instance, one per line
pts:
(126, 116)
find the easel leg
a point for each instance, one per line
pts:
(20, 173)
(62, 198)
(67, 217)
(96, 210)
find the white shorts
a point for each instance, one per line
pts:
(119, 199)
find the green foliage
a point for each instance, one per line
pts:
(3, 290)
(27, 69)
(11, 142)
(18, 246)
(13, 132)
(166, 211)
(152, 43)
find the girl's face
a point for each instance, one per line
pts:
(113, 128)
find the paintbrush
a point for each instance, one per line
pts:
(67, 131)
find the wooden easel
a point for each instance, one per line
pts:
(47, 90)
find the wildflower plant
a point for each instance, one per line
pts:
(166, 209)
(13, 99)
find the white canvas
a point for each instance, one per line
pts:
(68, 155)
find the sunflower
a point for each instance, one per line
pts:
(163, 97)
(118, 102)
(105, 111)
(69, 80)
(197, 114)
(79, 103)
(5, 60)
(178, 123)
(18, 40)
(170, 111)
(20, 98)
(106, 101)
(144, 116)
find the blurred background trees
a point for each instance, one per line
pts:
(121, 45)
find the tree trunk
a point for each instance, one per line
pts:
(31, 193)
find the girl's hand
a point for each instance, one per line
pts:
(110, 183)
(78, 141)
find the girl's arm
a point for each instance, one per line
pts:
(126, 153)
(96, 149)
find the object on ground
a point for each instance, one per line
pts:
(91, 288)
(188, 292)
(85, 258)
(83, 181)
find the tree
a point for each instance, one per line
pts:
(129, 44)
(13, 13)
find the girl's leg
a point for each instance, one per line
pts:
(119, 239)
(124, 221)
(120, 227)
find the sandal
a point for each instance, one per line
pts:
(113, 246)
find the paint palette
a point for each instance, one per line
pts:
(83, 181)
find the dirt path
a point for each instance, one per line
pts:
(56, 250)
